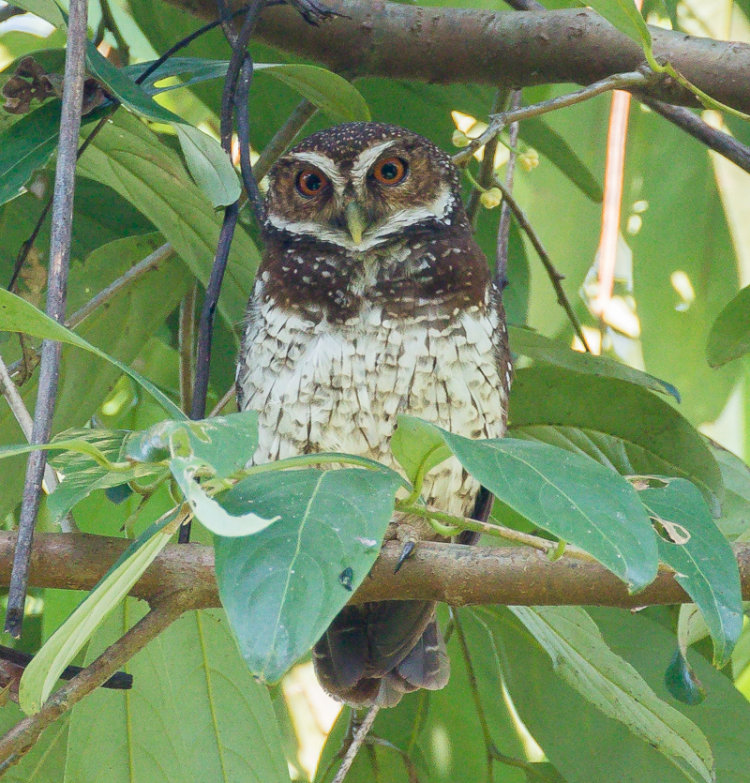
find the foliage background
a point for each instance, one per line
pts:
(684, 212)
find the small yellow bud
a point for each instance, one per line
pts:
(529, 160)
(460, 139)
(491, 198)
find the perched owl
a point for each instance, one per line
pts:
(373, 299)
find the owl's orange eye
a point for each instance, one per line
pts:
(310, 182)
(389, 171)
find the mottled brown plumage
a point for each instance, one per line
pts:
(373, 299)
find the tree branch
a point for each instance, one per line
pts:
(457, 575)
(505, 49)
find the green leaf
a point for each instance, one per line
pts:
(734, 522)
(209, 166)
(207, 511)
(702, 558)
(416, 447)
(44, 670)
(142, 736)
(581, 657)
(331, 93)
(208, 163)
(26, 146)
(82, 475)
(729, 337)
(129, 157)
(224, 443)
(619, 424)
(529, 343)
(552, 145)
(624, 15)
(570, 496)
(45, 9)
(17, 315)
(282, 587)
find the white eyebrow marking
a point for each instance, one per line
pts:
(322, 162)
(365, 159)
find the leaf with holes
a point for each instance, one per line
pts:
(82, 474)
(223, 443)
(705, 566)
(617, 423)
(570, 496)
(282, 587)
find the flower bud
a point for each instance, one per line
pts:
(460, 139)
(491, 198)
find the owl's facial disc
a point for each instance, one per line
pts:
(360, 202)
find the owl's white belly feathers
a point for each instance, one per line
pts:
(339, 387)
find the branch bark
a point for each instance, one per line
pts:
(505, 49)
(451, 573)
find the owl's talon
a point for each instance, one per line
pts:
(408, 548)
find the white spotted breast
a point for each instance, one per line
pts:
(327, 386)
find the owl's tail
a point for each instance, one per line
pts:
(376, 652)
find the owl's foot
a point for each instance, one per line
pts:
(408, 536)
(407, 549)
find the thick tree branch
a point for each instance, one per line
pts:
(455, 574)
(505, 49)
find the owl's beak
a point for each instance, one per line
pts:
(356, 221)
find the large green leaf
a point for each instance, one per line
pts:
(223, 443)
(581, 657)
(191, 669)
(121, 328)
(685, 264)
(734, 522)
(539, 134)
(618, 423)
(569, 495)
(541, 349)
(626, 17)
(46, 9)
(17, 315)
(585, 744)
(60, 649)
(129, 157)
(702, 558)
(282, 587)
(730, 335)
(26, 146)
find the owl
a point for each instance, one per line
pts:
(373, 299)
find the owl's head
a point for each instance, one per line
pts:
(362, 185)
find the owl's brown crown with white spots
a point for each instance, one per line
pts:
(368, 211)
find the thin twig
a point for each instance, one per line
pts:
(62, 220)
(150, 262)
(223, 402)
(185, 337)
(715, 139)
(619, 81)
(503, 225)
(359, 737)
(554, 276)
(283, 137)
(492, 529)
(242, 115)
(487, 168)
(25, 422)
(110, 24)
(22, 736)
